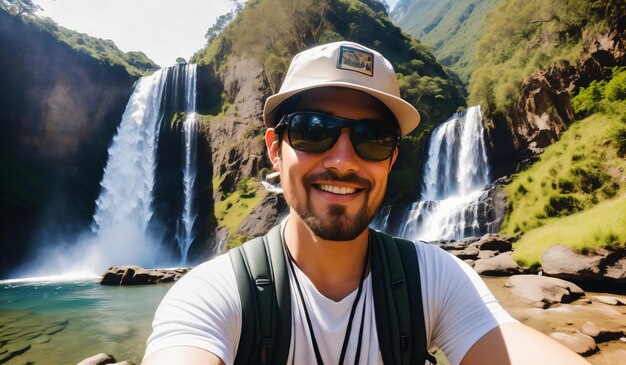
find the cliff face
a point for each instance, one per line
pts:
(543, 110)
(59, 110)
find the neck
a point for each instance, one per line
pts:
(334, 267)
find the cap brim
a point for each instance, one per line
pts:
(407, 116)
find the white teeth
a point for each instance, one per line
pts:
(337, 189)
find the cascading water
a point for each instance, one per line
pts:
(123, 230)
(455, 174)
(185, 230)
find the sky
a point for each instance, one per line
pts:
(162, 29)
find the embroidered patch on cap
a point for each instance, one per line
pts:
(355, 59)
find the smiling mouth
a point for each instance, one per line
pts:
(340, 190)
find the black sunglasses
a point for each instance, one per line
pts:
(313, 132)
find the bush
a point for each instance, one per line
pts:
(616, 88)
(619, 141)
(588, 99)
(562, 205)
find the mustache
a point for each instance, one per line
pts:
(329, 175)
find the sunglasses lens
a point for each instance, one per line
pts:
(316, 133)
(313, 133)
(374, 140)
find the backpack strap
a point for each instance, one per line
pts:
(263, 284)
(398, 301)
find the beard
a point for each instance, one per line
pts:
(334, 224)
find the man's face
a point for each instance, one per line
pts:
(336, 193)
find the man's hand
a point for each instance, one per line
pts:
(515, 343)
(182, 355)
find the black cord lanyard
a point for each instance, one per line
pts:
(346, 337)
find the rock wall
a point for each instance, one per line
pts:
(543, 110)
(59, 110)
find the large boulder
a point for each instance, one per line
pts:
(136, 275)
(543, 110)
(264, 216)
(605, 265)
(495, 242)
(607, 299)
(500, 265)
(578, 342)
(543, 291)
(600, 334)
(103, 359)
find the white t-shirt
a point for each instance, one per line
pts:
(203, 310)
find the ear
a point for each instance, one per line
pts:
(394, 155)
(273, 148)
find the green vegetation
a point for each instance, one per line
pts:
(602, 96)
(604, 224)
(272, 31)
(105, 51)
(525, 36)
(452, 27)
(575, 194)
(574, 174)
(233, 208)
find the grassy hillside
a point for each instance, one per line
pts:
(575, 194)
(103, 50)
(452, 27)
(524, 36)
(273, 31)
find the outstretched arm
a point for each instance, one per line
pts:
(182, 355)
(515, 343)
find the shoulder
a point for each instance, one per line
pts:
(459, 308)
(214, 275)
(201, 310)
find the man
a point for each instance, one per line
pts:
(332, 135)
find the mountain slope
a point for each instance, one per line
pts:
(452, 27)
(59, 110)
(251, 55)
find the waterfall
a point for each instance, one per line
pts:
(185, 230)
(127, 228)
(451, 204)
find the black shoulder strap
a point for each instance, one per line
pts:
(398, 301)
(263, 284)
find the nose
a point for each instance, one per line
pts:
(341, 157)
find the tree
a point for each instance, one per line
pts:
(20, 7)
(181, 61)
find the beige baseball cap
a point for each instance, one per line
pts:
(349, 65)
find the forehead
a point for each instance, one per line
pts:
(342, 102)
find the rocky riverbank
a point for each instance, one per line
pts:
(590, 321)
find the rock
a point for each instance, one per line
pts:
(451, 245)
(495, 242)
(500, 265)
(543, 110)
(469, 253)
(273, 178)
(544, 290)
(469, 262)
(603, 265)
(10, 351)
(486, 254)
(600, 334)
(264, 216)
(578, 342)
(136, 275)
(99, 359)
(606, 299)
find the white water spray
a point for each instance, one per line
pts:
(186, 234)
(455, 175)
